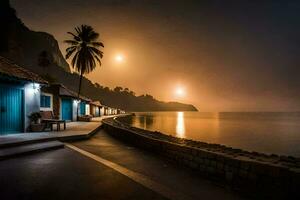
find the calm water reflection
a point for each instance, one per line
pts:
(265, 132)
(180, 126)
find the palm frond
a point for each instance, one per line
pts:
(70, 51)
(97, 44)
(93, 36)
(85, 49)
(71, 42)
(97, 52)
(74, 60)
(98, 59)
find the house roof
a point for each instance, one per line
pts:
(96, 103)
(64, 91)
(9, 68)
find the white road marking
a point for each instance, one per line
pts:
(137, 177)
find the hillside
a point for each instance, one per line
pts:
(23, 46)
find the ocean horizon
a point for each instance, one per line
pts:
(265, 132)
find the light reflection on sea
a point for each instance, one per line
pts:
(268, 132)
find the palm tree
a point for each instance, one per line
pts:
(85, 50)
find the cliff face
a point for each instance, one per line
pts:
(23, 46)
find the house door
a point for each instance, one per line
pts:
(97, 111)
(66, 109)
(82, 108)
(11, 110)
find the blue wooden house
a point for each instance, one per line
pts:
(63, 102)
(102, 110)
(95, 108)
(19, 96)
(105, 110)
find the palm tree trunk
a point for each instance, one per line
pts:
(79, 89)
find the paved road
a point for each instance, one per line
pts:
(102, 168)
(65, 174)
(178, 179)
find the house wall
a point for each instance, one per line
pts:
(93, 110)
(31, 101)
(75, 107)
(87, 109)
(102, 111)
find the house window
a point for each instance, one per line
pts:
(45, 101)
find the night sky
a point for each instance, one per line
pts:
(227, 55)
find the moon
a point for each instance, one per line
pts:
(119, 58)
(180, 92)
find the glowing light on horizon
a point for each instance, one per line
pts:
(180, 92)
(119, 58)
(180, 126)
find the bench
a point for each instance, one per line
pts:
(49, 119)
(85, 118)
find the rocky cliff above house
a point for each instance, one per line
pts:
(23, 46)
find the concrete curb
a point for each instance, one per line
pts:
(13, 152)
(80, 137)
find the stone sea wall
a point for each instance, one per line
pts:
(253, 173)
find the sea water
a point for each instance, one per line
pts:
(267, 132)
